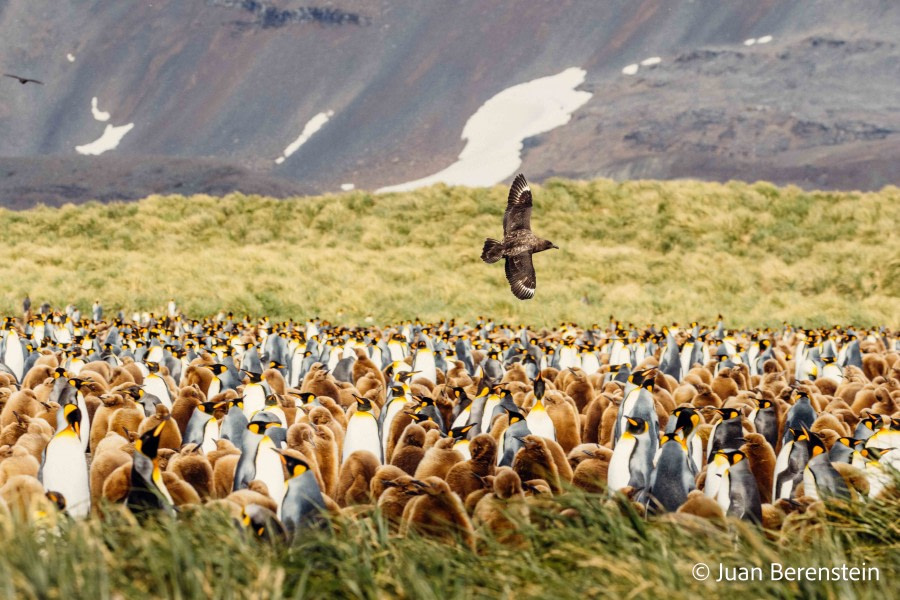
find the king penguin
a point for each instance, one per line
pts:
(672, 478)
(362, 432)
(765, 419)
(539, 422)
(155, 385)
(64, 466)
(632, 460)
(790, 463)
(148, 491)
(202, 428)
(738, 494)
(820, 478)
(303, 505)
(512, 439)
(254, 395)
(258, 459)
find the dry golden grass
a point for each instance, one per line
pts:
(642, 250)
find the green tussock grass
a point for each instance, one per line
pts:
(642, 250)
(604, 552)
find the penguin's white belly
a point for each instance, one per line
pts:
(65, 471)
(424, 363)
(619, 468)
(153, 384)
(269, 469)
(723, 497)
(362, 434)
(713, 483)
(254, 400)
(210, 435)
(14, 358)
(809, 484)
(539, 423)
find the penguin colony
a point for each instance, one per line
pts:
(447, 429)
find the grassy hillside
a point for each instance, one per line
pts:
(601, 553)
(641, 250)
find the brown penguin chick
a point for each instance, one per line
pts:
(772, 517)
(223, 474)
(186, 401)
(384, 474)
(855, 479)
(396, 495)
(398, 426)
(35, 440)
(706, 397)
(181, 491)
(191, 466)
(591, 471)
(698, 504)
(23, 402)
(223, 448)
(317, 381)
(874, 365)
(561, 459)
(608, 423)
(411, 449)
(338, 412)
(761, 458)
(17, 461)
(117, 484)
(322, 417)
(23, 495)
(829, 421)
(467, 476)
(120, 377)
(535, 461)
(11, 433)
(438, 512)
(580, 390)
(255, 494)
(36, 376)
(685, 393)
(363, 367)
(826, 387)
(133, 370)
(171, 436)
(100, 423)
(504, 511)
(275, 380)
(327, 458)
(127, 418)
(457, 376)
(438, 460)
(369, 383)
(593, 413)
(103, 464)
(565, 420)
(355, 477)
(198, 376)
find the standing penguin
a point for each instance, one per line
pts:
(801, 415)
(258, 457)
(202, 428)
(303, 504)
(672, 478)
(539, 422)
(362, 431)
(254, 394)
(513, 439)
(820, 478)
(738, 494)
(632, 460)
(64, 466)
(790, 464)
(148, 491)
(155, 385)
(765, 419)
(686, 420)
(235, 423)
(727, 434)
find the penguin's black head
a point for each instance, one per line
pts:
(364, 404)
(218, 368)
(636, 426)
(73, 417)
(57, 499)
(153, 367)
(814, 444)
(209, 407)
(515, 416)
(765, 404)
(459, 393)
(733, 456)
(294, 465)
(460, 432)
(539, 386)
(728, 413)
(872, 423)
(59, 372)
(419, 417)
(687, 419)
(148, 443)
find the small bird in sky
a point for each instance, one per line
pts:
(23, 80)
(519, 243)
